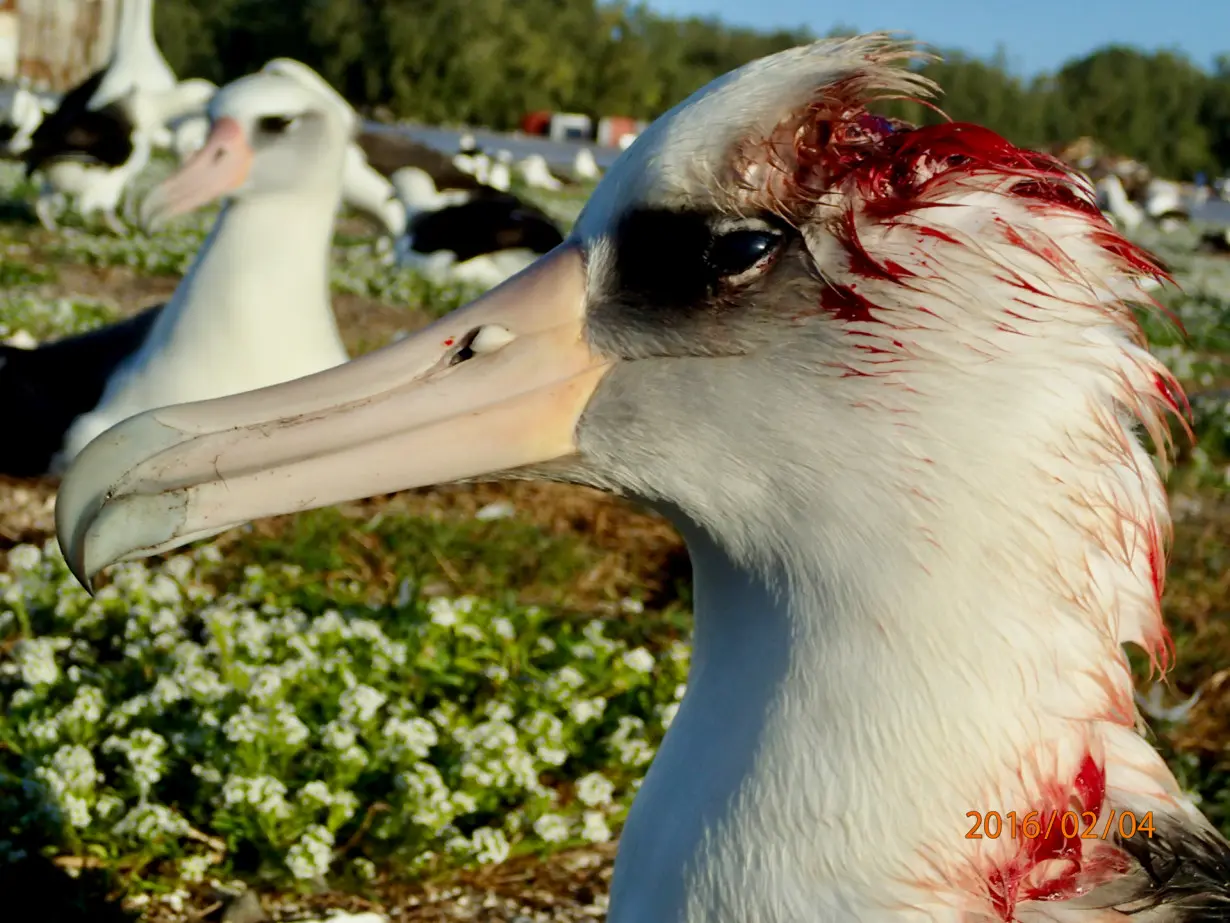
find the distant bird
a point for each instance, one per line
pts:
(22, 113)
(584, 167)
(136, 61)
(465, 230)
(388, 152)
(480, 236)
(92, 155)
(498, 172)
(1164, 203)
(890, 386)
(1216, 241)
(1113, 200)
(101, 135)
(534, 171)
(370, 194)
(253, 309)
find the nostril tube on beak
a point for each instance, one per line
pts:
(485, 339)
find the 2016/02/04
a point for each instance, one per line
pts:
(1070, 824)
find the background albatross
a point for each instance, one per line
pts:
(254, 307)
(886, 382)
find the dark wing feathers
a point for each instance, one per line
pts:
(43, 390)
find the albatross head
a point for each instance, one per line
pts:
(887, 380)
(274, 132)
(771, 291)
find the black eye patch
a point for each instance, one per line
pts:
(677, 258)
(661, 255)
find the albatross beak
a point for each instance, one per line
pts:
(219, 167)
(497, 385)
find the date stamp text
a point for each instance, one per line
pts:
(1085, 825)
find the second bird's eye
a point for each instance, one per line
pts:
(736, 252)
(274, 124)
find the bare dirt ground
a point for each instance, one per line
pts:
(568, 887)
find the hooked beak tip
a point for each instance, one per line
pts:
(74, 557)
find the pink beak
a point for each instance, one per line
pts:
(220, 167)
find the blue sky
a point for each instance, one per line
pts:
(1038, 35)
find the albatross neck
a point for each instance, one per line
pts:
(264, 271)
(134, 37)
(848, 704)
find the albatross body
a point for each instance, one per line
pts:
(94, 156)
(254, 307)
(887, 382)
(94, 125)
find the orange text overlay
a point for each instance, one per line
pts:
(1085, 825)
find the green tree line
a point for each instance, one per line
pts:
(487, 62)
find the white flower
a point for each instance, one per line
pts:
(584, 711)
(666, 713)
(595, 633)
(594, 828)
(86, 708)
(638, 659)
(75, 766)
(193, 868)
(317, 792)
(503, 628)
(490, 846)
(338, 735)
(312, 855)
(163, 590)
(442, 612)
(265, 793)
(361, 703)
(179, 567)
(595, 790)
(166, 692)
(36, 659)
(415, 736)
(144, 749)
(265, 684)
(627, 741)
(428, 797)
(565, 681)
(77, 810)
(24, 557)
(552, 828)
(243, 727)
(149, 821)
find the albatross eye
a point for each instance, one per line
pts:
(737, 253)
(274, 124)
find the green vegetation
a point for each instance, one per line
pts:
(167, 728)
